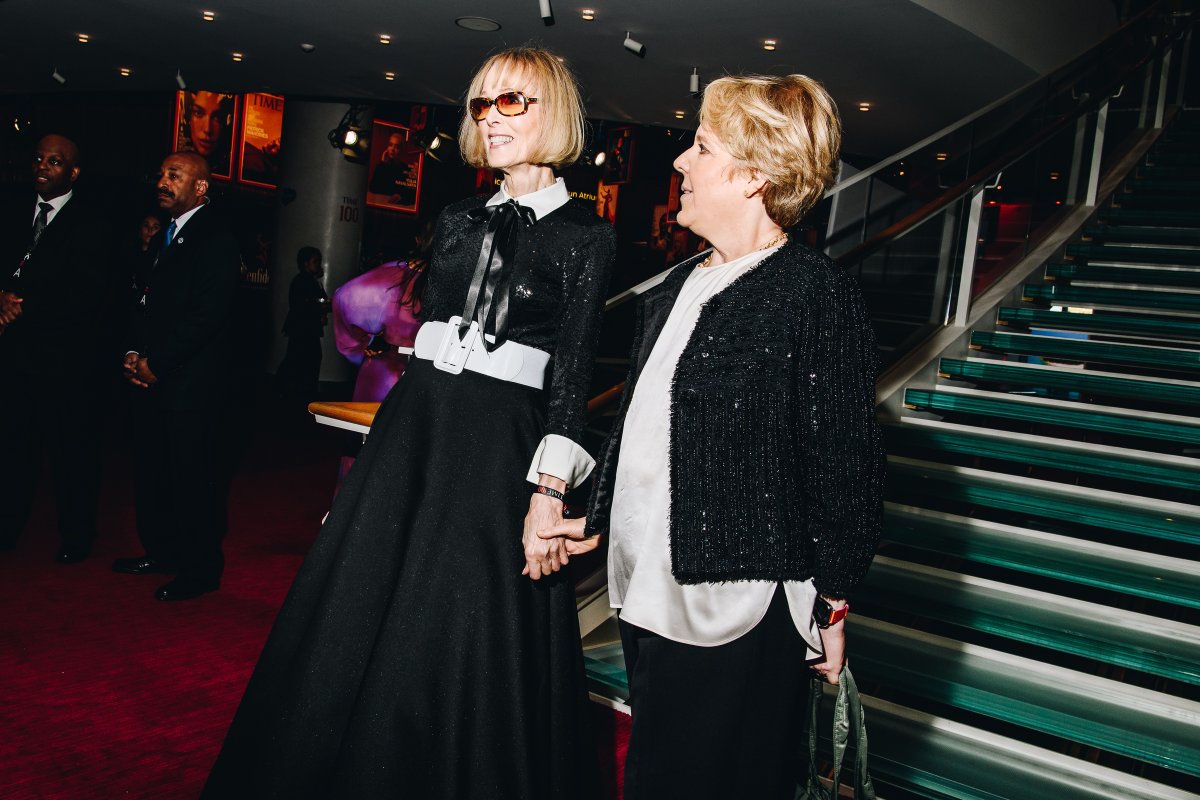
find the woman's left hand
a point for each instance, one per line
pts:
(833, 639)
(542, 556)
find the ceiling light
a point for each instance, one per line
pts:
(588, 14)
(769, 44)
(306, 47)
(385, 38)
(125, 72)
(940, 156)
(58, 76)
(352, 136)
(694, 81)
(84, 38)
(1054, 176)
(179, 81)
(208, 16)
(546, 12)
(634, 46)
(600, 158)
(680, 114)
(864, 106)
(389, 76)
(237, 56)
(482, 24)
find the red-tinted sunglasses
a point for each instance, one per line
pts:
(509, 104)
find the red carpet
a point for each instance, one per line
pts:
(106, 692)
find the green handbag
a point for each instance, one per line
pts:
(847, 721)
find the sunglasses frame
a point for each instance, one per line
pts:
(489, 102)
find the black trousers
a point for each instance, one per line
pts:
(717, 722)
(298, 376)
(182, 472)
(61, 419)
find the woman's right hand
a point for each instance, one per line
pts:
(571, 532)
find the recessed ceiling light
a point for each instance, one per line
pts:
(209, 16)
(940, 156)
(588, 13)
(84, 38)
(1054, 176)
(385, 38)
(477, 24)
(389, 76)
(237, 56)
(864, 106)
(769, 44)
(125, 72)
(680, 114)
(307, 47)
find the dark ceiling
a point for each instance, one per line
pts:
(921, 63)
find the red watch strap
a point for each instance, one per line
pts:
(839, 614)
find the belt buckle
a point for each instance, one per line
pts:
(452, 353)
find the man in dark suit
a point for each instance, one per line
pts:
(55, 252)
(179, 363)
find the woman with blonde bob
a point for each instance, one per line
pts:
(429, 647)
(741, 485)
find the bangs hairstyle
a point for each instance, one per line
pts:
(562, 132)
(784, 128)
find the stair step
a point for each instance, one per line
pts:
(1088, 383)
(1101, 633)
(1114, 324)
(1118, 462)
(1156, 201)
(1049, 555)
(1162, 185)
(1150, 216)
(1109, 419)
(1138, 276)
(1143, 233)
(1139, 255)
(1113, 716)
(1053, 347)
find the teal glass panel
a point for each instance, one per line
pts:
(1164, 327)
(1092, 352)
(1091, 384)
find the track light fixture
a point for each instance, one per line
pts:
(546, 12)
(179, 81)
(634, 46)
(58, 76)
(694, 81)
(351, 136)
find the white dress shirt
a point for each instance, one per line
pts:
(55, 206)
(639, 556)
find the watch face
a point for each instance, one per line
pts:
(822, 612)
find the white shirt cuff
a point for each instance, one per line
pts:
(562, 458)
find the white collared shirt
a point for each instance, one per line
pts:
(543, 201)
(183, 218)
(55, 206)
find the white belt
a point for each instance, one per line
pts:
(512, 361)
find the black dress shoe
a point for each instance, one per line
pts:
(142, 565)
(72, 555)
(185, 589)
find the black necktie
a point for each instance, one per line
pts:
(489, 287)
(39, 224)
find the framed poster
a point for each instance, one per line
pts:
(618, 167)
(606, 202)
(395, 169)
(262, 131)
(204, 123)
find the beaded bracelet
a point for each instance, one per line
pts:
(546, 490)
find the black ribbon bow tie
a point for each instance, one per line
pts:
(489, 292)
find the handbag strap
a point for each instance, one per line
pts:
(848, 719)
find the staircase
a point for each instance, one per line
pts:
(1031, 626)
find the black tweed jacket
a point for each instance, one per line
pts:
(776, 464)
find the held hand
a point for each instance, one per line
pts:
(833, 639)
(542, 556)
(10, 307)
(571, 533)
(142, 375)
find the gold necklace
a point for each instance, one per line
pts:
(778, 240)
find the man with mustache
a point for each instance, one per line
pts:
(55, 252)
(179, 364)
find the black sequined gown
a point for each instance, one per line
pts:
(411, 658)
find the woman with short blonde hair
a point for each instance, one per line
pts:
(429, 647)
(741, 483)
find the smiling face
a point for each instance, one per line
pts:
(54, 166)
(509, 141)
(714, 188)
